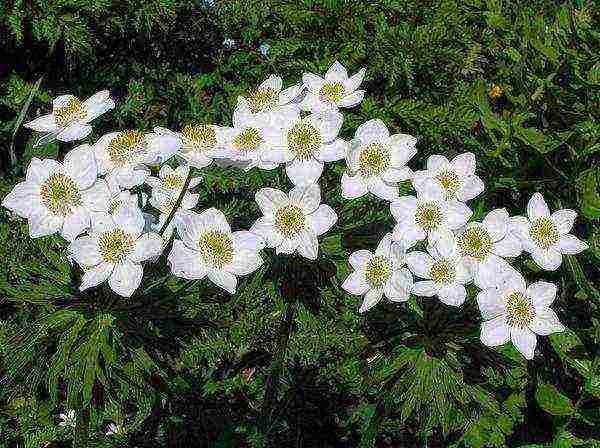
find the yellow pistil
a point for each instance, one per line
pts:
(373, 159)
(67, 114)
(126, 146)
(304, 140)
(199, 137)
(332, 92)
(289, 220)
(428, 216)
(450, 181)
(442, 271)
(475, 242)
(262, 99)
(115, 245)
(520, 310)
(378, 271)
(216, 248)
(173, 181)
(60, 194)
(544, 232)
(114, 206)
(248, 140)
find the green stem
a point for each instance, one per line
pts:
(82, 427)
(177, 203)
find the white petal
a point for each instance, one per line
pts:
(546, 322)
(336, 73)
(352, 99)
(471, 187)
(537, 207)
(548, 259)
(457, 214)
(403, 208)
(564, 220)
(289, 94)
(333, 151)
(385, 246)
(130, 219)
(98, 104)
(408, 233)
(248, 241)
(372, 298)
(313, 82)
(383, 190)
(353, 186)
(328, 123)
(524, 340)
(495, 332)
(42, 223)
(273, 82)
(80, 165)
(96, 275)
(85, 251)
(287, 246)
(214, 219)
(359, 258)
(496, 223)
(464, 164)
(224, 280)
(322, 219)
(373, 130)
(489, 271)
(445, 247)
(147, 246)
(542, 294)
(75, 223)
(431, 191)
(398, 288)
(425, 288)
(23, 199)
(45, 123)
(509, 246)
(419, 263)
(355, 80)
(304, 172)
(39, 170)
(403, 149)
(74, 131)
(490, 303)
(244, 262)
(309, 245)
(453, 295)
(570, 244)
(62, 100)
(395, 175)
(98, 197)
(125, 278)
(185, 262)
(269, 200)
(307, 197)
(356, 283)
(128, 177)
(265, 229)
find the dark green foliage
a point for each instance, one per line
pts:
(517, 83)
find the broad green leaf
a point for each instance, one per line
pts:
(552, 401)
(588, 184)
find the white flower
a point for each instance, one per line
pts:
(264, 49)
(377, 162)
(293, 223)
(209, 248)
(59, 197)
(270, 96)
(444, 269)
(197, 144)
(546, 237)
(306, 144)
(255, 136)
(115, 429)
(70, 117)
(513, 311)
(380, 274)
(428, 214)
(69, 419)
(335, 91)
(173, 180)
(124, 198)
(114, 251)
(122, 155)
(456, 177)
(484, 246)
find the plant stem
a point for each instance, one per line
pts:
(82, 427)
(186, 184)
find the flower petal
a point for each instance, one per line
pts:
(45, 123)
(426, 288)
(98, 104)
(537, 207)
(185, 262)
(431, 191)
(353, 186)
(509, 246)
(130, 219)
(322, 219)
(471, 187)
(457, 214)
(304, 172)
(490, 303)
(564, 220)
(23, 199)
(125, 278)
(495, 332)
(74, 131)
(336, 73)
(360, 258)
(42, 223)
(328, 123)
(356, 283)
(270, 200)
(453, 295)
(264, 227)
(398, 288)
(524, 340)
(332, 151)
(496, 223)
(372, 298)
(419, 263)
(273, 82)
(309, 245)
(383, 190)
(373, 130)
(352, 99)
(75, 223)
(548, 259)
(352, 83)
(313, 82)
(80, 165)
(224, 280)
(215, 220)
(307, 197)
(85, 252)
(94, 276)
(249, 241)
(147, 246)
(546, 322)
(542, 294)
(464, 164)
(570, 244)
(244, 262)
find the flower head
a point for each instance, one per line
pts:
(70, 117)
(514, 311)
(67, 420)
(293, 222)
(209, 248)
(270, 96)
(59, 197)
(334, 91)
(377, 162)
(546, 236)
(380, 274)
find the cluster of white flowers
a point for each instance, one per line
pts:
(95, 198)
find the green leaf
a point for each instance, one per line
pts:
(552, 401)
(20, 118)
(587, 185)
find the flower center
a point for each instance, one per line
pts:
(373, 159)
(450, 181)
(520, 310)
(262, 99)
(289, 220)
(544, 232)
(69, 113)
(114, 206)
(304, 140)
(60, 194)
(126, 146)
(248, 140)
(216, 248)
(332, 92)
(173, 181)
(442, 271)
(428, 216)
(475, 242)
(114, 245)
(199, 138)
(378, 272)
